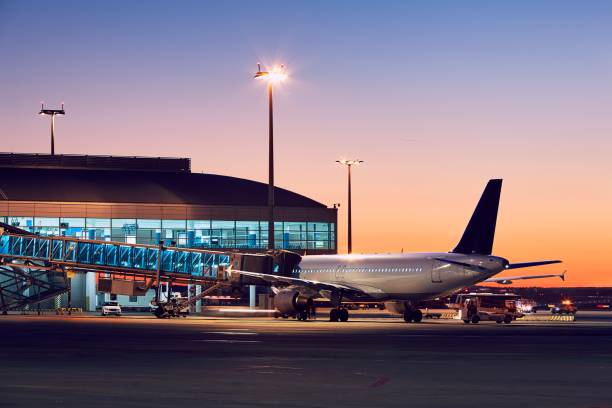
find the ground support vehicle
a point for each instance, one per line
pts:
(476, 307)
(566, 307)
(111, 308)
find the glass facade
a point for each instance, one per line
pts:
(222, 234)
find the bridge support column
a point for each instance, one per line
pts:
(90, 292)
(198, 305)
(252, 296)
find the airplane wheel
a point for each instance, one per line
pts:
(303, 316)
(466, 321)
(475, 319)
(499, 321)
(160, 313)
(344, 315)
(334, 315)
(417, 316)
(408, 316)
(508, 319)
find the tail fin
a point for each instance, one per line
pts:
(478, 236)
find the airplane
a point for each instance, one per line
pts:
(401, 281)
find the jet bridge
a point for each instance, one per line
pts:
(35, 268)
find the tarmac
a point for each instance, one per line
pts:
(372, 360)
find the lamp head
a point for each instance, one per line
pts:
(275, 75)
(348, 162)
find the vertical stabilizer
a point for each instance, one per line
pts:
(478, 236)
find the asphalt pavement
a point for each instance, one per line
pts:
(140, 361)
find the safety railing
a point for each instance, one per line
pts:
(113, 255)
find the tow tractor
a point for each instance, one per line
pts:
(476, 307)
(566, 306)
(179, 306)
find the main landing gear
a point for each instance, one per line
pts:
(338, 314)
(413, 315)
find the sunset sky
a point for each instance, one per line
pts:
(436, 97)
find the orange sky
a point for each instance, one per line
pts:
(436, 99)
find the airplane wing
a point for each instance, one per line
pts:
(509, 279)
(464, 264)
(275, 279)
(509, 266)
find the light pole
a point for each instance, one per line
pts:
(349, 164)
(52, 112)
(276, 75)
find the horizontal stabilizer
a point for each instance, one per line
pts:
(507, 280)
(530, 264)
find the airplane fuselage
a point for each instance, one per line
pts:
(384, 277)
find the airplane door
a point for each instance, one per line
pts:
(436, 271)
(340, 269)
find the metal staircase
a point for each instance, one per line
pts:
(22, 285)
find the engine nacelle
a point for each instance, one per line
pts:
(396, 307)
(291, 302)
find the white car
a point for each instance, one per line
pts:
(109, 308)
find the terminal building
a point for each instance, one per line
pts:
(151, 199)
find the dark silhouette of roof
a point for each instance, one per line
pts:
(154, 187)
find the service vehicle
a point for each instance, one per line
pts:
(476, 307)
(566, 307)
(178, 306)
(111, 308)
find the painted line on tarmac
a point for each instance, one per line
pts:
(231, 333)
(437, 335)
(230, 341)
(238, 329)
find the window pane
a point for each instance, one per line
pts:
(98, 222)
(198, 224)
(294, 235)
(22, 222)
(149, 223)
(46, 226)
(223, 234)
(98, 228)
(46, 222)
(71, 222)
(72, 227)
(247, 234)
(174, 224)
(198, 233)
(174, 231)
(124, 229)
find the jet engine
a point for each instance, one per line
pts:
(410, 313)
(291, 302)
(396, 307)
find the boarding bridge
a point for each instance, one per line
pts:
(35, 268)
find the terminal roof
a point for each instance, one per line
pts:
(151, 187)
